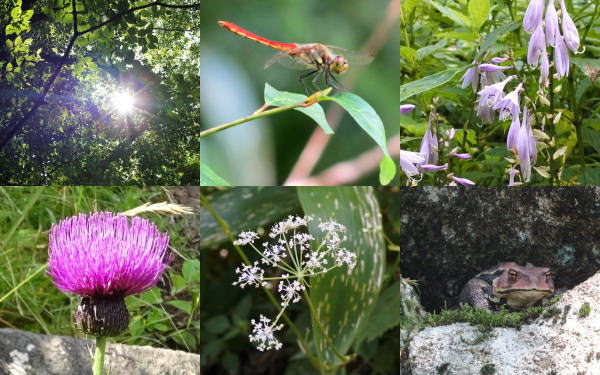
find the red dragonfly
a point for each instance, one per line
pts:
(319, 58)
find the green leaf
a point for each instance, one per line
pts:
(217, 324)
(208, 177)
(492, 37)
(231, 363)
(16, 13)
(9, 44)
(185, 339)
(428, 50)
(456, 16)
(184, 306)
(479, 12)
(151, 296)
(274, 97)
(344, 300)
(589, 67)
(425, 84)
(469, 37)
(10, 29)
(383, 318)
(177, 283)
(387, 170)
(364, 115)
(592, 137)
(191, 270)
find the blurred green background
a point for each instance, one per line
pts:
(166, 316)
(233, 78)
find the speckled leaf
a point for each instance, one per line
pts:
(245, 208)
(344, 301)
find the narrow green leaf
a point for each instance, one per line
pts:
(427, 83)
(191, 270)
(428, 50)
(492, 37)
(479, 12)
(456, 16)
(383, 318)
(344, 300)
(274, 97)
(208, 177)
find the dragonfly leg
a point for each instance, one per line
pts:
(314, 81)
(335, 84)
(306, 75)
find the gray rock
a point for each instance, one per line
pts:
(449, 235)
(25, 353)
(565, 345)
(411, 312)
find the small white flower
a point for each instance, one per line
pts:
(250, 275)
(263, 333)
(290, 291)
(246, 238)
(331, 226)
(273, 254)
(301, 240)
(315, 262)
(344, 256)
(290, 224)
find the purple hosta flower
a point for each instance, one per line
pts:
(263, 333)
(552, 30)
(513, 131)
(290, 224)
(289, 291)
(405, 108)
(429, 146)
(471, 77)
(462, 181)
(561, 58)
(250, 275)
(509, 104)
(544, 69)
(537, 46)
(499, 60)
(105, 257)
(533, 15)
(569, 30)
(461, 156)
(492, 67)
(409, 161)
(512, 172)
(526, 146)
(246, 238)
(431, 167)
(489, 97)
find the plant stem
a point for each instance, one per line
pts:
(99, 355)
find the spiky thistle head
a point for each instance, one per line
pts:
(105, 257)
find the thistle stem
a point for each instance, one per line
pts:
(99, 355)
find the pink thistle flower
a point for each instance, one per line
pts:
(105, 257)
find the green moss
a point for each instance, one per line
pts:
(585, 310)
(488, 369)
(486, 320)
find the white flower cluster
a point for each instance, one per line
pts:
(263, 332)
(298, 256)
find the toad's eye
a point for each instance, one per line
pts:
(513, 274)
(548, 275)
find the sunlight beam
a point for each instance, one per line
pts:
(123, 102)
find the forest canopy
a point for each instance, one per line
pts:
(98, 92)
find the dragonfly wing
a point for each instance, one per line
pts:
(353, 57)
(289, 62)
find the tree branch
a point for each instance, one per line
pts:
(14, 129)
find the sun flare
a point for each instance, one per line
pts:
(123, 102)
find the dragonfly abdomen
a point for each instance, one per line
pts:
(257, 38)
